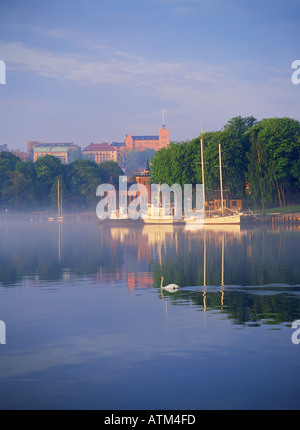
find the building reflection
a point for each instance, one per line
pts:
(153, 246)
(211, 265)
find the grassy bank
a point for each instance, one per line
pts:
(290, 209)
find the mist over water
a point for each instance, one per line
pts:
(87, 325)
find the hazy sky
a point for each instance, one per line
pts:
(96, 70)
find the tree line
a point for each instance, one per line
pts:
(260, 161)
(33, 185)
(260, 164)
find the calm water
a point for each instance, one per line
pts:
(88, 328)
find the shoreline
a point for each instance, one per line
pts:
(274, 219)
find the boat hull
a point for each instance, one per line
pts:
(228, 219)
(163, 221)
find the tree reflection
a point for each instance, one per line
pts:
(252, 276)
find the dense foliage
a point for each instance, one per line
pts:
(260, 164)
(260, 161)
(28, 185)
(134, 160)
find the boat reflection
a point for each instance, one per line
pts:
(233, 270)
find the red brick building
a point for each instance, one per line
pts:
(145, 179)
(140, 143)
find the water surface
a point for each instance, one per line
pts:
(87, 326)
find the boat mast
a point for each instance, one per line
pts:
(202, 168)
(58, 198)
(221, 182)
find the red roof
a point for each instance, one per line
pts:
(99, 147)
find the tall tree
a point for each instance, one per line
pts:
(280, 139)
(8, 162)
(19, 190)
(181, 162)
(110, 172)
(259, 173)
(85, 177)
(47, 168)
(135, 160)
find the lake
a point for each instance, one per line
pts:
(88, 327)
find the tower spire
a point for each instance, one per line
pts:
(163, 114)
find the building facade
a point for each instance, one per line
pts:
(100, 152)
(4, 148)
(66, 152)
(140, 143)
(145, 180)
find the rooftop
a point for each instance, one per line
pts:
(64, 144)
(118, 144)
(51, 148)
(99, 147)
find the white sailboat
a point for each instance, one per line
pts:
(221, 217)
(158, 216)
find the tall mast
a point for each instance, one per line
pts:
(163, 115)
(202, 168)
(61, 203)
(221, 182)
(58, 198)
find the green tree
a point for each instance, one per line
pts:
(181, 162)
(161, 166)
(110, 172)
(259, 177)
(47, 168)
(295, 171)
(18, 191)
(279, 139)
(135, 160)
(85, 177)
(27, 168)
(235, 146)
(8, 162)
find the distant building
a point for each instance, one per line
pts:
(145, 179)
(121, 152)
(66, 152)
(21, 154)
(32, 143)
(100, 152)
(140, 143)
(4, 148)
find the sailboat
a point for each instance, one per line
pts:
(158, 216)
(220, 218)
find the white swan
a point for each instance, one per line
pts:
(170, 287)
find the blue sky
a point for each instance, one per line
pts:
(96, 70)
